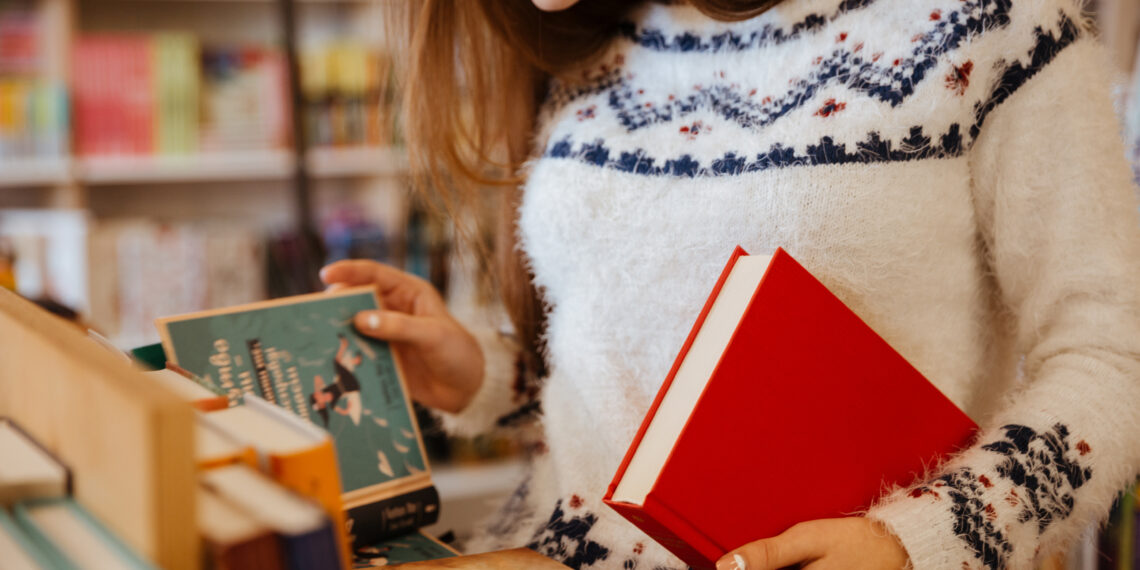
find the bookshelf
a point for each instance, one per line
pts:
(223, 174)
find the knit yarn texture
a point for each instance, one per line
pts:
(951, 169)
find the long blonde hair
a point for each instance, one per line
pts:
(476, 71)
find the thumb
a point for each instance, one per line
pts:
(397, 327)
(796, 545)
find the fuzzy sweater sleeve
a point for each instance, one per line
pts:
(502, 400)
(1058, 227)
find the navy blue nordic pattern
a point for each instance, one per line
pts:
(768, 35)
(564, 538)
(1042, 471)
(918, 145)
(888, 81)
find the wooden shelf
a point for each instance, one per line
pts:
(357, 161)
(233, 166)
(206, 167)
(25, 172)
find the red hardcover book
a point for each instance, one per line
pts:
(114, 95)
(783, 406)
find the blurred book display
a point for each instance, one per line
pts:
(346, 91)
(155, 463)
(140, 94)
(33, 106)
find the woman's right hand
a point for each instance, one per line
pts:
(441, 360)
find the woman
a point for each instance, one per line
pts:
(949, 168)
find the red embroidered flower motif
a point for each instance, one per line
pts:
(841, 37)
(959, 77)
(920, 491)
(991, 512)
(1011, 498)
(985, 481)
(575, 501)
(829, 107)
(936, 15)
(639, 548)
(691, 131)
(1083, 447)
(587, 113)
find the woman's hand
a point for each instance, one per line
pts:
(849, 543)
(442, 362)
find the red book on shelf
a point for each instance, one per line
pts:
(782, 406)
(114, 95)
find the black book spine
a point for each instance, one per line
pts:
(394, 516)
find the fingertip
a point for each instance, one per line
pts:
(732, 561)
(367, 321)
(329, 272)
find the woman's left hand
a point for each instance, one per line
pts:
(848, 543)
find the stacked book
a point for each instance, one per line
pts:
(41, 524)
(306, 441)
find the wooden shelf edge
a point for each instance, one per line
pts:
(323, 163)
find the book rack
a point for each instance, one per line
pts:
(125, 438)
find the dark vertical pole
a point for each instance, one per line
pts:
(312, 250)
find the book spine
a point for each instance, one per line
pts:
(671, 532)
(315, 550)
(394, 516)
(314, 474)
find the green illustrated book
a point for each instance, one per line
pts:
(412, 547)
(303, 354)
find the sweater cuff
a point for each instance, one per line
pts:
(496, 397)
(925, 529)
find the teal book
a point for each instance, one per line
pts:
(68, 537)
(412, 547)
(17, 552)
(303, 354)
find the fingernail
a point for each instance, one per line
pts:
(373, 321)
(736, 563)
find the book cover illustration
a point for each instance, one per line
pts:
(303, 354)
(413, 547)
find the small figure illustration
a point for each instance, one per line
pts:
(344, 386)
(372, 556)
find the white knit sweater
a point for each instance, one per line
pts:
(951, 169)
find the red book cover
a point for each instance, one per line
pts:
(114, 95)
(807, 414)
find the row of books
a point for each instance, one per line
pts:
(166, 94)
(41, 524)
(33, 107)
(141, 270)
(247, 516)
(288, 388)
(33, 118)
(21, 39)
(348, 95)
